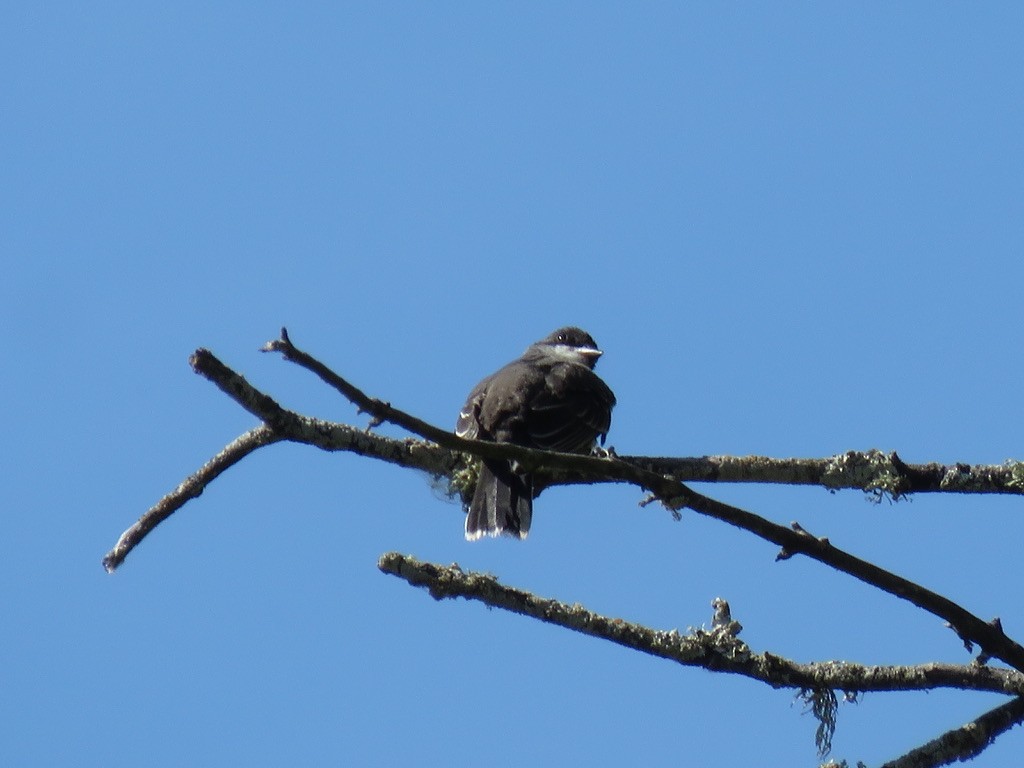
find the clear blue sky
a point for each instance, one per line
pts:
(795, 230)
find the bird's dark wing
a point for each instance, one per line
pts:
(571, 412)
(499, 404)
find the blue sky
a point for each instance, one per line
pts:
(794, 229)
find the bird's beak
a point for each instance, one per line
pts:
(595, 353)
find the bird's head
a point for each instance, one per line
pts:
(574, 345)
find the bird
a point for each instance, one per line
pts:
(549, 398)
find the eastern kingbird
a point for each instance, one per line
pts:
(550, 398)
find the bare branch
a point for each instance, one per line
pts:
(328, 436)
(718, 650)
(965, 742)
(970, 628)
(190, 488)
(380, 410)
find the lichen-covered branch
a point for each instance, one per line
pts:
(718, 649)
(884, 475)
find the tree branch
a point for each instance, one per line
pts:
(278, 424)
(190, 488)
(445, 455)
(717, 650)
(965, 742)
(672, 493)
(879, 473)
(721, 650)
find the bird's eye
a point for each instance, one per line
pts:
(561, 337)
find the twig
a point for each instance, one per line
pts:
(718, 650)
(189, 488)
(602, 468)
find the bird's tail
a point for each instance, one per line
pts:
(502, 503)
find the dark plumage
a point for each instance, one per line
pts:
(549, 398)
